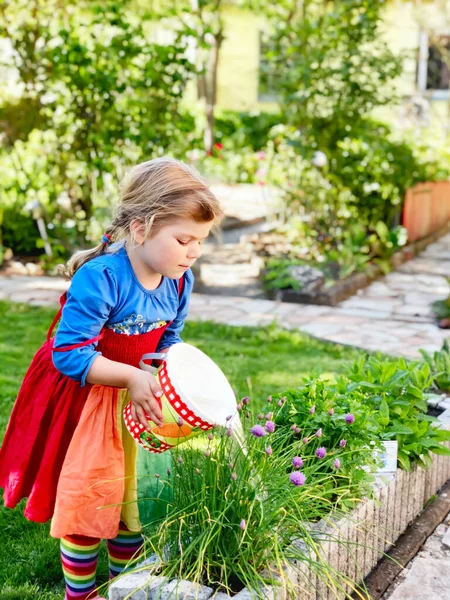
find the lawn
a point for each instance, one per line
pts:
(257, 361)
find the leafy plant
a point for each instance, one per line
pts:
(441, 309)
(238, 505)
(276, 275)
(394, 391)
(439, 364)
(321, 413)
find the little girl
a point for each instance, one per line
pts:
(66, 447)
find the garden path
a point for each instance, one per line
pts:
(392, 315)
(427, 576)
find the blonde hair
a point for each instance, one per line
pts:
(155, 193)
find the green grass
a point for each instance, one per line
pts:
(257, 361)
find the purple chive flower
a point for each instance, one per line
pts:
(210, 436)
(337, 464)
(234, 476)
(230, 465)
(229, 432)
(297, 478)
(270, 426)
(180, 421)
(180, 460)
(260, 417)
(349, 418)
(207, 454)
(258, 431)
(279, 403)
(321, 452)
(331, 412)
(239, 406)
(243, 524)
(298, 430)
(229, 418)
(305, 440)
(297, 462)
(312, 410)
(269, 399)
(343, 443)
(157, 475)
(283, 399)
(197, 471)
(319, 433)
(245, 400)
(269, 416)
(293, 427)
(269, 450)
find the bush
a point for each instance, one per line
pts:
(20, 233)
(245, 130)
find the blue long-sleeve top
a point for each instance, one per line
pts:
(105, 292)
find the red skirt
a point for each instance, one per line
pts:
(41, 426)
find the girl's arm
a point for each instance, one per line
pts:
(172, 334)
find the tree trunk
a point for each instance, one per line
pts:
(211, 92)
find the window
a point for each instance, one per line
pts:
(269, 79)
(438, 72)
(433, 68)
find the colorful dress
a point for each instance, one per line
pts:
(66, 447)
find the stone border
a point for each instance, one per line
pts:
(352, 545)
(346, 288)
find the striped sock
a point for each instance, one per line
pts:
(79, 556)
(122, 549)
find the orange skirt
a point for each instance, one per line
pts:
(106, 476)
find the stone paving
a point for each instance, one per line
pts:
(427, 576)
(393, 314)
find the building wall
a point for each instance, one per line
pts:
(238, 70)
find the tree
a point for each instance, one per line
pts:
(94, 81)
(201, 23)
(334, 66)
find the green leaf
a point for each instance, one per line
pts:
(442, 450)
(384, 413)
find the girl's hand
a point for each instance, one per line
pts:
(144, 390)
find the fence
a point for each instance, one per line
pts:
(426, 209)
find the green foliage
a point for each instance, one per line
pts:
(277, 276)
(439, 364)
(19, 232)
(102, 96)
(333, 62)
(313, 416)
(350, 250)
(441, 309)
(235, 510)
(394, 391)
(245, 130)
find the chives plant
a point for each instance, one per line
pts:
(240, 498)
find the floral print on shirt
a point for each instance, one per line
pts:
(135, 325)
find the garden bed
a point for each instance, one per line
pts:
(352, 545)
(345, 288)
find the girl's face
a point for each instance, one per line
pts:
(174, 248)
